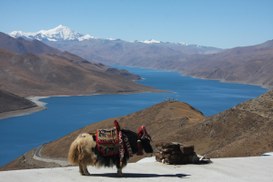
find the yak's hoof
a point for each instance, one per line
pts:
(120, 173)
(86, 174)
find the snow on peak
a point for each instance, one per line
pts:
(58, 33)
(151, 41)
(21, 34)
(183, 43)
(190, 45)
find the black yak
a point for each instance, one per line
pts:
(108, 147)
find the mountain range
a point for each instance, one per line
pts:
(58, 33)
(250, 64)
(115, 51)
(32, 68)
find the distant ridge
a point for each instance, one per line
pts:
(250, 64)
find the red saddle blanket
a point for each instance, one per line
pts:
(108, 141)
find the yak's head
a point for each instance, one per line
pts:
(144, 139)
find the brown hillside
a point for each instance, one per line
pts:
(38, 75)
(252, 64)
(32, 68)
(244, 130)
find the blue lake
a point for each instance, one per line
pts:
(66, 114)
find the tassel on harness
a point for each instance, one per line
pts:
(123, 144)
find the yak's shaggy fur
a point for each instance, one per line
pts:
(83, 152)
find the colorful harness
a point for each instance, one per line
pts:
(107, 141)
(111, 142)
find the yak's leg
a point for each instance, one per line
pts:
(119, 168)
(86, 171)
(119, 171)
(83, 169)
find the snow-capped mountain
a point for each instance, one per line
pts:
(151, 41)
(58, 33)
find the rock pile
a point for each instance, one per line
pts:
(175, 153)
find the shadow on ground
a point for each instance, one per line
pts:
(140, 175)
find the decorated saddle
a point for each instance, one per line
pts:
(111, 142)
(108, 141)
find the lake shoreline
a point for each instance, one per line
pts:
(21, 112)
(40, 105)
(267, 87)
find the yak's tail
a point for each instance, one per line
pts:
(81, 149)
(73, 154)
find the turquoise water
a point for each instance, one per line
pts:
(66, 114)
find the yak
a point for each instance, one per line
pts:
(87, 150)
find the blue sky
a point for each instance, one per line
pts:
(219, 23)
